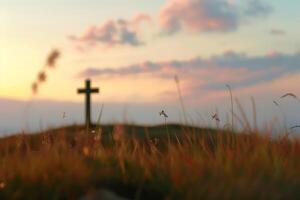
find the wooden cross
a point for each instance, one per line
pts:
(88, 91)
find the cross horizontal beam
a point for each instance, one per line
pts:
(91, 90)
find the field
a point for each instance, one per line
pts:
(161, 162)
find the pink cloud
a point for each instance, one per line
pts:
(209, 74)
(197, 16)
(207, 15)
(112, 33)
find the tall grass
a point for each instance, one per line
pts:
(198, 165)
(177, 81)
(232, 108)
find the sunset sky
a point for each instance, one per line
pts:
(132, 49)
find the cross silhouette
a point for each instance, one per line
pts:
(88, 91)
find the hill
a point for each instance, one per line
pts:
(158, 162)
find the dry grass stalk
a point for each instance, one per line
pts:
(177, 81)
(254, 114)
(232, 111)
(244, 116)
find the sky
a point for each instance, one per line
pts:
(132, 49)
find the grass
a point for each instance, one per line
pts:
(141, 163)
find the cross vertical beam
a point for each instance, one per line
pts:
(88, 91)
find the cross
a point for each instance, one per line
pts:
(87, 91)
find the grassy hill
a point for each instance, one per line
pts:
(157, 162)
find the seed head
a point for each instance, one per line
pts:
(34, 88)
(216, 117)
(163, 113)
(42, 77)
(51, 59)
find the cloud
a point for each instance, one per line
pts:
(257, 8)
(237, 69)
(208, 15)
(112, 33)
(176, 15)
(277, 32)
